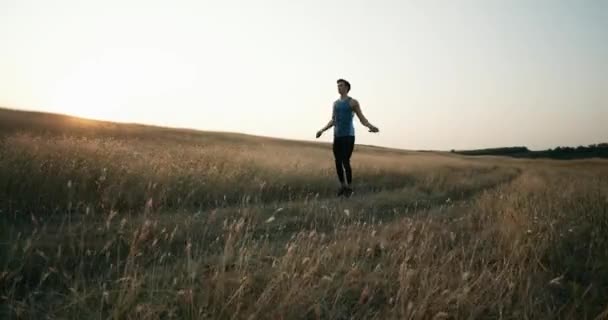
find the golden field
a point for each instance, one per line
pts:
(115, 221)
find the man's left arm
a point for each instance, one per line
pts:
(357, 109)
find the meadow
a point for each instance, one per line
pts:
(117, 221)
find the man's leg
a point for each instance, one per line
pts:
(338, 157)
(349, 146)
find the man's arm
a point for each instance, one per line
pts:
(329, 124)
(357, 109)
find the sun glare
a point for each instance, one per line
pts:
(91, 90)
(116, 85)
(79, 99)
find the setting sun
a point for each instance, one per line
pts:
(117, 85)
(92, 90)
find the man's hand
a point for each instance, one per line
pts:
(373, 129)
(319, 133)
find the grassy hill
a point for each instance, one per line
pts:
(105, 220)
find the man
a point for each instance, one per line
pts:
(344, 110)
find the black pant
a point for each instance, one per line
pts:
(343, 149)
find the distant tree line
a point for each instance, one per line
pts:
(591, 151)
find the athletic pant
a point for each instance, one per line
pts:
(343, 149)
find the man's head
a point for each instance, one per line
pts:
(343, 86)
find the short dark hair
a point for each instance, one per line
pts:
(346, 83)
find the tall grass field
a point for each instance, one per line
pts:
(100, 220)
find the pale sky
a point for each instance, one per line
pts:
(430, 74)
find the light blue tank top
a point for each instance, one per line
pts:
(343, 118)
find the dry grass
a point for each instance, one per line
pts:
(175, 224)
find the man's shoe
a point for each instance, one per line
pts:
(348, 191)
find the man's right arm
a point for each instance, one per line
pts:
(329, 124)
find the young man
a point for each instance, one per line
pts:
(344, 110)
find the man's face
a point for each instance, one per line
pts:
(342, 88)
